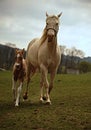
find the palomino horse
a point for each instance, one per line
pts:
(19, 71)
(44, 53)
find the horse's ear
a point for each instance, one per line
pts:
(16, 50)
(59, 14)
(47, 14)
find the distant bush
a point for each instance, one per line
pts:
(85, 67)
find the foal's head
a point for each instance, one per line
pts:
(18, 58)
(52, 26)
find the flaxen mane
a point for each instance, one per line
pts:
(43, 37)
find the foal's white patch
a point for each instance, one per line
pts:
(18, 94)
(17, 64)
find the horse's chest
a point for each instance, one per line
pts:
(19, 74)
(50, 61)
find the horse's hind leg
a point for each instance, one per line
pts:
(18, 94)
(30, 73)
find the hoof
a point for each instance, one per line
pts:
(25, 96)
(48, 103)
(16, 105)
(41, 101)
(44, 98)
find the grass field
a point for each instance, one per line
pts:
(70, 109)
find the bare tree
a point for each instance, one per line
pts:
(63, 48)
(80, 53)
(73, 53)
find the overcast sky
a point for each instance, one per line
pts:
(23, 20)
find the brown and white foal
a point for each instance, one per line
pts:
(19, 72)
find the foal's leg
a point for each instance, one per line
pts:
(14, 88)
(18, 94)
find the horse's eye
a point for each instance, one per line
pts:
(46, 23)
(57, 24)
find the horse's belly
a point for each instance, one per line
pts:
(33, 60)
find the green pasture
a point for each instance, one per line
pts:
(70, 109)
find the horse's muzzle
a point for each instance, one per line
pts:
(50, 34)
(17, 66)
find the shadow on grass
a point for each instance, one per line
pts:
(9, 106)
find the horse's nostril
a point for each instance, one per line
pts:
(50, 39)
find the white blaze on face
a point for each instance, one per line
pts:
(18, 55)
(17, 64)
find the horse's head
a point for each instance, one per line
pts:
(52, 26)
(18, 58)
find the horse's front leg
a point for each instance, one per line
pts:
(41, 87)
(52, 76)
(18, 94)
(14, 88)
(44, 73)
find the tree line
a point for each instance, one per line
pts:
(73, 59)
(70, 59)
